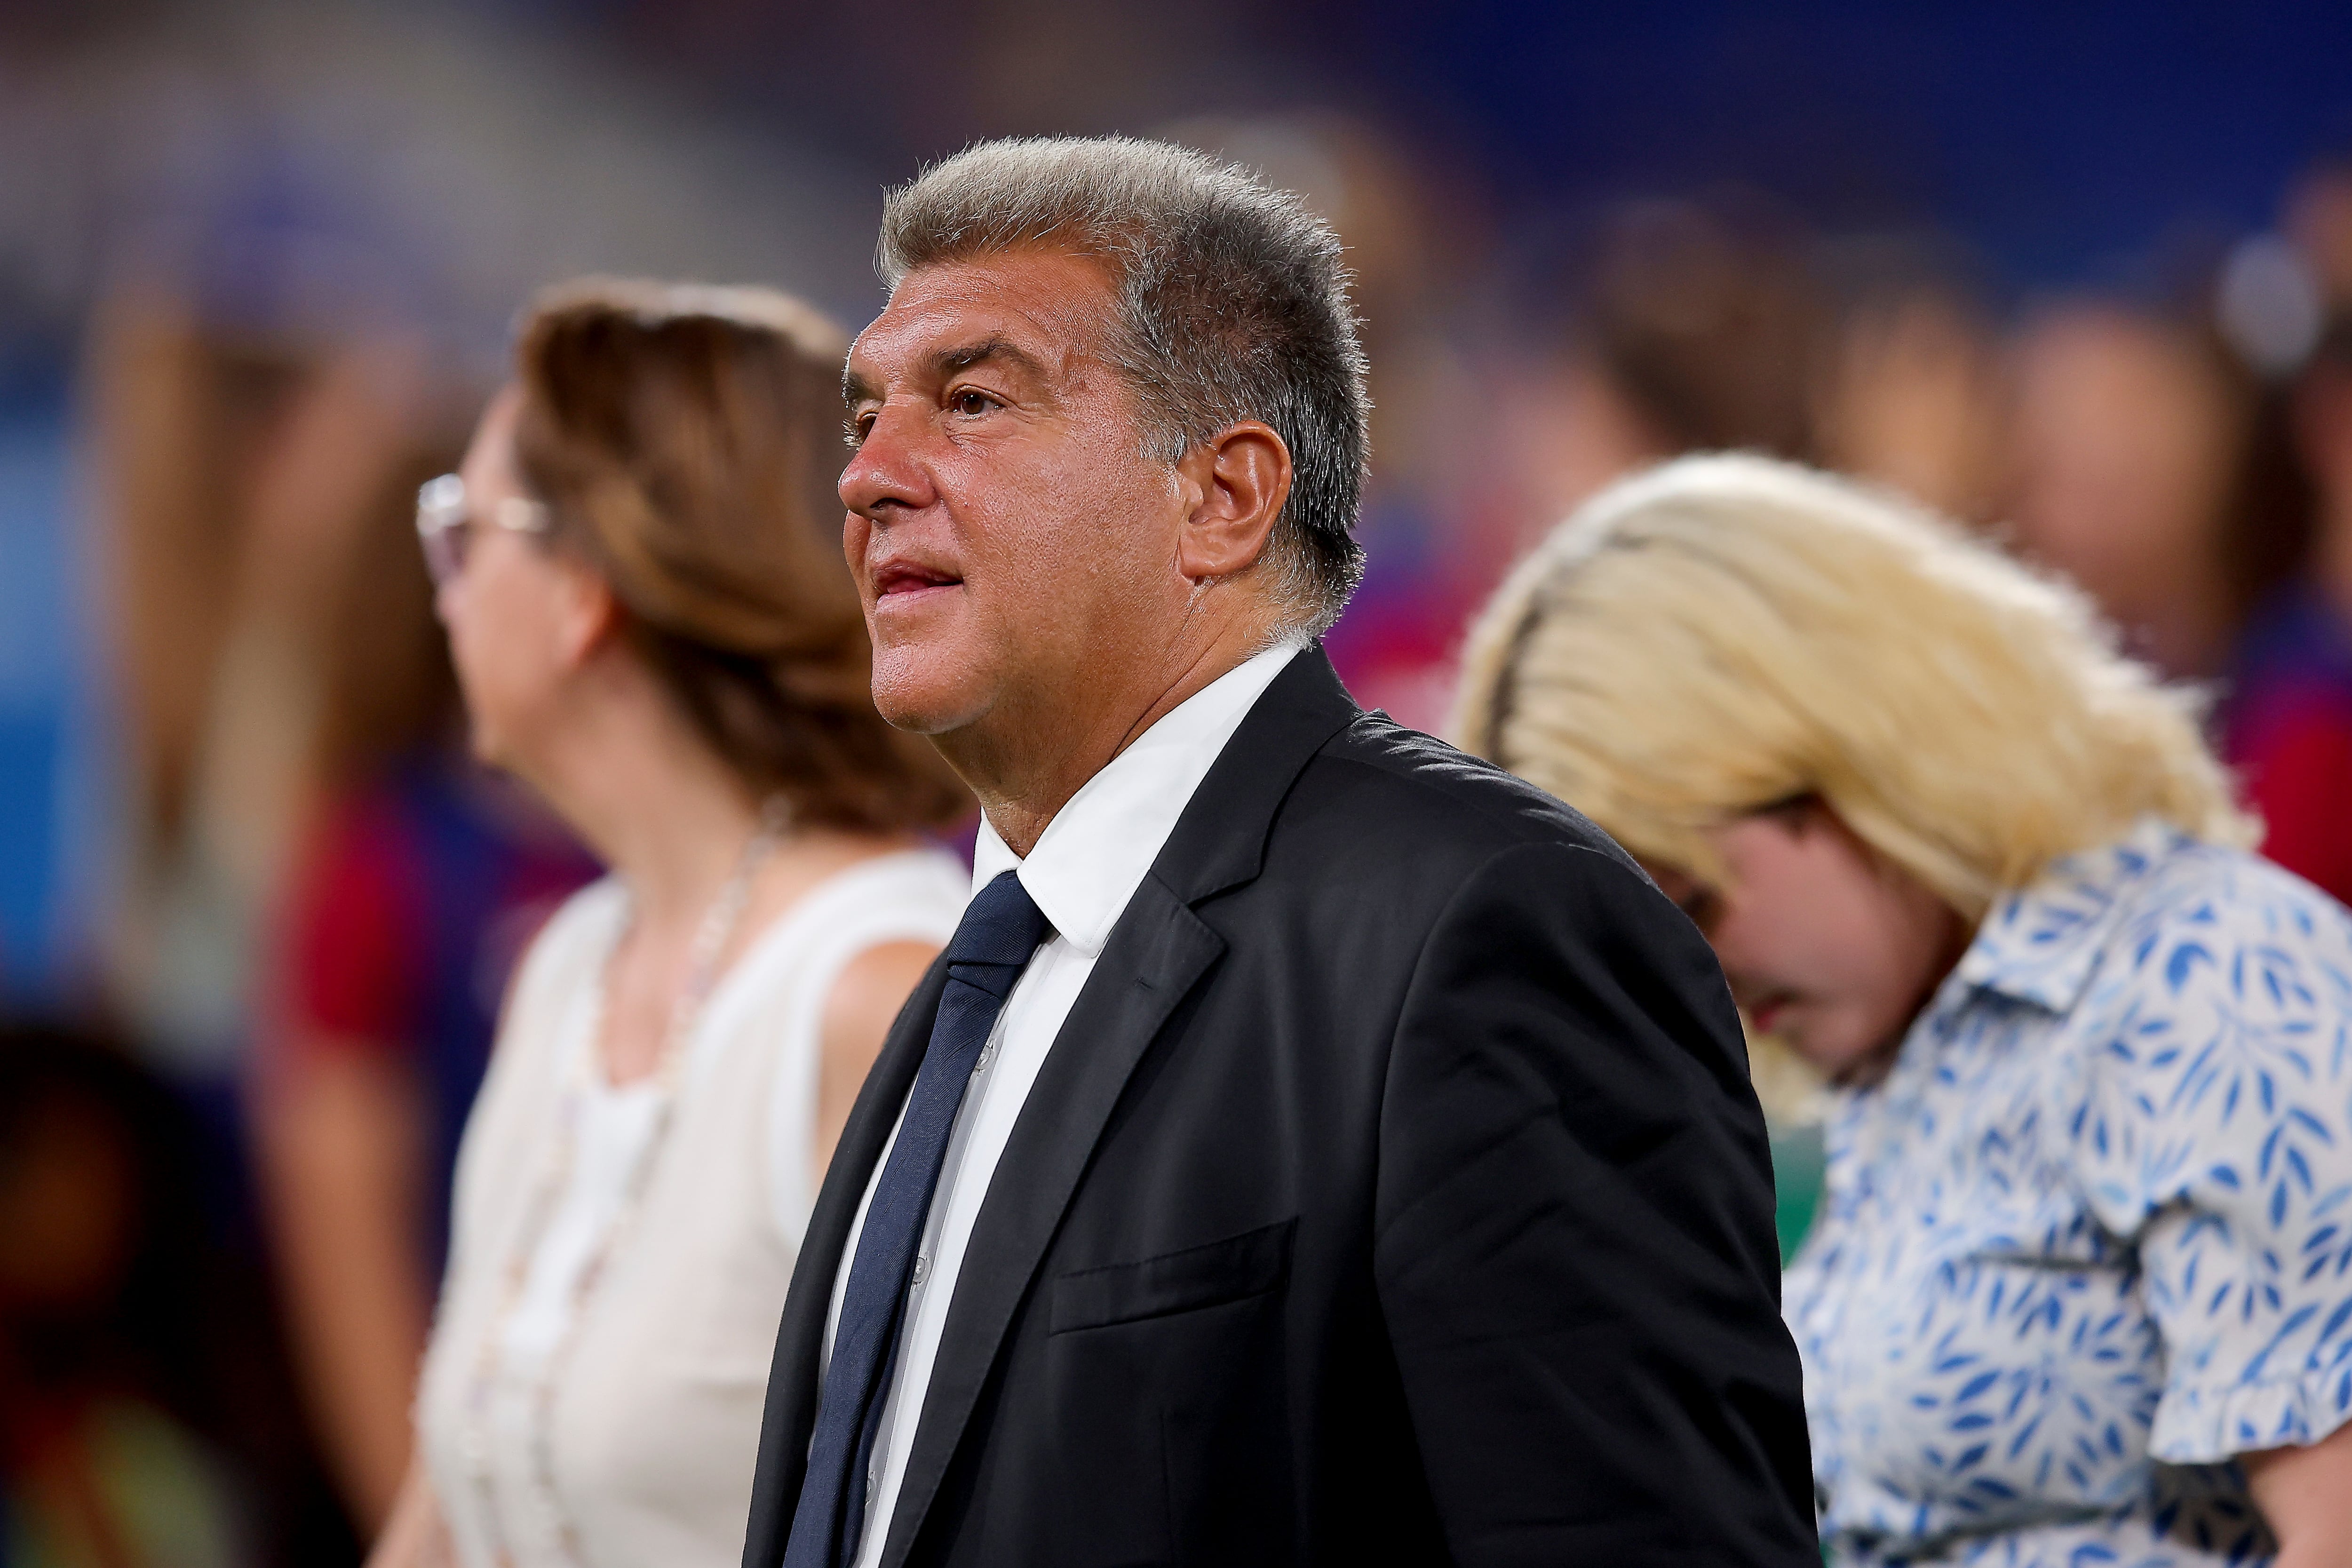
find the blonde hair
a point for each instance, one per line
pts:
(1724, 632)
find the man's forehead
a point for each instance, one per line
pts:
(1049, 304)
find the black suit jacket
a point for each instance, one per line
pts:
(1394, 1193)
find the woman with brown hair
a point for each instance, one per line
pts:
(654, 629)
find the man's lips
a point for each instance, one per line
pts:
(901, 579)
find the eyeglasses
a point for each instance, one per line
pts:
(444, 524)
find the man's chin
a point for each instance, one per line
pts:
(921, 694)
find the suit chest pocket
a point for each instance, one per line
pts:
(1255, 1263)
(1170, 1430)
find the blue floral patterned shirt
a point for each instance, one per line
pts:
(2092, 1236)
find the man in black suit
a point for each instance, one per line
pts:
(1315, 1146)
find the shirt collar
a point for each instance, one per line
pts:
(2043, 944)
(1092, 856)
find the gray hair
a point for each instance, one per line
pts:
(1233, 305)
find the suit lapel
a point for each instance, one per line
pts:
(1159, 951)
(1219, 841)
(790, 1413)
(1156, 954)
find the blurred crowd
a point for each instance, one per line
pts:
(276, 906)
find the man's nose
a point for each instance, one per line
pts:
(887, 468)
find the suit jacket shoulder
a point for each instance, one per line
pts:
(1451, 796)
(1383, 826)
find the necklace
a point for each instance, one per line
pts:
(710, 941)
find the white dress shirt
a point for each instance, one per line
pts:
(1083, 871)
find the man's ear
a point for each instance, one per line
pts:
(1240, 478)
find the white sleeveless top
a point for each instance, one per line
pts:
(638, 1450)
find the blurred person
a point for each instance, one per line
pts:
(101, 1462)
(653, 628)
(1698, 325)
(405, 904)
(1230, 1192)
(143, 1413)
(2080, 1291)
(1675, 324)
(1685, 324)
(286, 697)
(263, 647)
(239, 471)
(2149, 469)
(1911, 395)
(2319, 221)
(419, 891)
(2287, 729)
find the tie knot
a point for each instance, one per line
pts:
(1001, 927)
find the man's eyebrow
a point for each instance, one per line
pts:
(855, 389)
(947, 362)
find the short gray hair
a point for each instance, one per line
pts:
(1233, 305)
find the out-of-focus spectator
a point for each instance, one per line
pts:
(1675, 325)
(142, 1417)
(308, 860)
(417, 894)
(413, 892)
(1724, 325)
(1700, 331)
(2319, 221)
(102, 1463)
(2288, 719)
(239, 471)
(1911, 394)
(640, 568)
(2150, 468)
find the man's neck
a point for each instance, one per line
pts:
(1025, 776)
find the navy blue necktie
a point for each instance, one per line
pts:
(999, 931)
